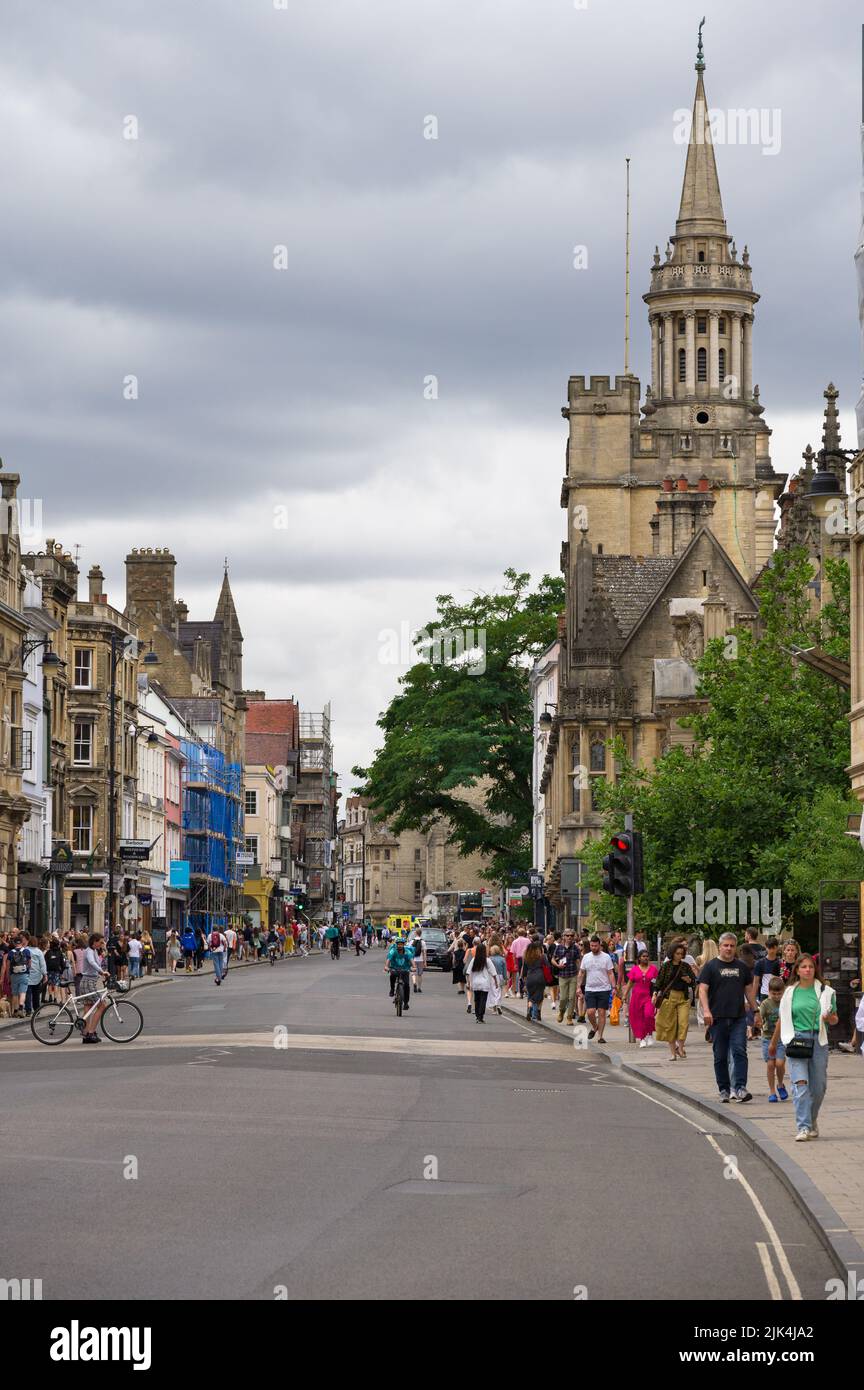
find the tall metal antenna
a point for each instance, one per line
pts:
(627, 281)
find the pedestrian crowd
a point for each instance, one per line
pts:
(771, 994)
(46, 969)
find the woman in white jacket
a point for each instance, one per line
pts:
(807, 1006)
(483, 979)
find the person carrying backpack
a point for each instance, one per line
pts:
(19, 974)
(217, 945)
(187, 941)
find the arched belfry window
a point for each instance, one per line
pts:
(682, 364)
(702, 364)
(721, 359)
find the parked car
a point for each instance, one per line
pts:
(437, 948)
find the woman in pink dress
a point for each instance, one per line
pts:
(641, 1009)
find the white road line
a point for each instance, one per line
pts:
(770, 1231)
(670, 1108)
(768, 1269)
(782, 1260)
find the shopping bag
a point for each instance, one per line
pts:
(615, 1011)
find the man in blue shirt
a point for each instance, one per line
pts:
(399, 960)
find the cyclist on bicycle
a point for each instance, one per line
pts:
(273, 941)
(93, 977)
(399, 961)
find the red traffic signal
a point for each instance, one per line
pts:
(622, 869)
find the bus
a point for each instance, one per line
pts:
(470, 908)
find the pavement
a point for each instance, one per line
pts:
(829, 1168)
(286, 1135)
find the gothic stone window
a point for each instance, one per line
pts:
(578, 775)
(597, 765)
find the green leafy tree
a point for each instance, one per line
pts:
(771, 745)
(462, 723)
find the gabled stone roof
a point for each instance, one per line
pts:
(631, 584)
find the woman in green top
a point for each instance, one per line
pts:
(807, 1006)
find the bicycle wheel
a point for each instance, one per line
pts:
(51, 1024)
(397, 995)
(122, 1021)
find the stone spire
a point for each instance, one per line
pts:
(599, 631)
(701, 210)
(832, 448)
(225, 610)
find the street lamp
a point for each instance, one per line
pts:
(545, 720)
(50, 660)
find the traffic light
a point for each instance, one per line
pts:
(622, 867)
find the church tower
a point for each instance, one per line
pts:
(699, 455)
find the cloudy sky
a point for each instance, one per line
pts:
(280, 417)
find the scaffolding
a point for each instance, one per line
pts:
(212, 832)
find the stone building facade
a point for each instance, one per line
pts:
(670, 516)
(198, 660)
(93, 628)
(14, 806)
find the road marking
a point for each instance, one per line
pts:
(770, 1231)
(670, 1108)
(336, 1042)
(59, 1158)
(782, 1260)
(768, 1268)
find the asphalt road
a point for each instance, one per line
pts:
(284, 1128)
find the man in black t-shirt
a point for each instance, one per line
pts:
(751, 939)
(726, 991)
(766, 968)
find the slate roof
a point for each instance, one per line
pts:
(212, 633)
(631, 584)
(201, 709)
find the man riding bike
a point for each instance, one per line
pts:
(399, 961)
(272, 944)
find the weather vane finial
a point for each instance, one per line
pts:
(700, 57)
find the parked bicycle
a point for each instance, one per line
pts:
(121, 1022)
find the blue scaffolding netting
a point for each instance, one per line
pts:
(212, 827)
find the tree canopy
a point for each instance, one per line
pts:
(463, 724)
(761, 798)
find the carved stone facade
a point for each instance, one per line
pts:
(820, 522)
(670, 516)
(198, 661)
